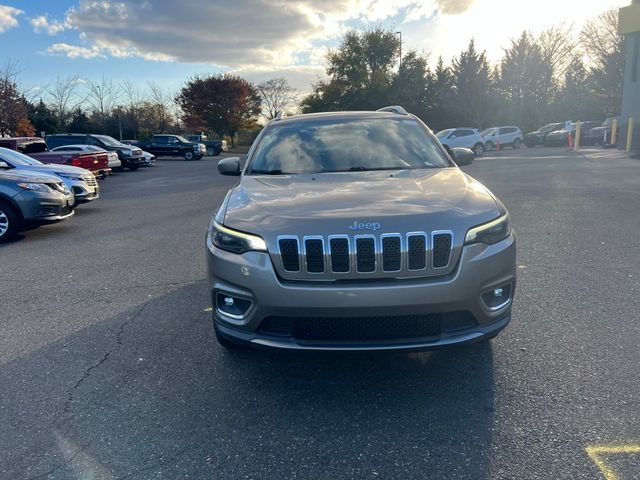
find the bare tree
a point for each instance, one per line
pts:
(162, 100)
(600, 38)
(557, 45)
(63, 96)
(102, 97)
(276, 95)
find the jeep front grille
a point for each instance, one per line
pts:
(390, 253)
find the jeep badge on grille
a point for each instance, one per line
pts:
(374, 226)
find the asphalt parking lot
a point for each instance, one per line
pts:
(109, 367)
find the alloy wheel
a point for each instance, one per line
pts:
(4, 223)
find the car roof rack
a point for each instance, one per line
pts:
(394, 109)
(284, 114)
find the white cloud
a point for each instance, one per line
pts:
(8, 17)
(74, 51)
(42, 24)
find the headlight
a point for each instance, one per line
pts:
(233, 241)
(491, 232)
(35, 187)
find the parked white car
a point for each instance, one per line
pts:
(462, 137)
(114, 161)
(508, 136)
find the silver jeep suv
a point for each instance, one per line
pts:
(356, 231)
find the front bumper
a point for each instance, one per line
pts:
(251, 276)
(42, 208)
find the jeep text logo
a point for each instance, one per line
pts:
(364, 226)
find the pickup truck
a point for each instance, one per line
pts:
(165, 145)
(214, 147)
(35, 147)
(130, 157)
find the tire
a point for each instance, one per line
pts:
(211, 152)
(134, 167)
(489, 146)
(478, 149)
(224, 342)
(188, 156)
(9, 222)
(517, 143)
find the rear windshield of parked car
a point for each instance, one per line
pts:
(319, 146)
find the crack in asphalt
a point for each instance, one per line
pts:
(70, 393)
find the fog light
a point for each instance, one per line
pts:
(497, 298)
(231, 305)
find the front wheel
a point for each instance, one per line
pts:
(9, 222)
(211, 152)
(488, 146)
(517, 143)
(188, 156)
(133, 167)
(478, 149)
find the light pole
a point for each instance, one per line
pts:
(400, 61)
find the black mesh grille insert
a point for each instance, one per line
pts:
(391, 254)
(339, 254)
(315, 255)
(441, 250)
(367, 328)
(289, 254)
(417, 247)
(366, 254)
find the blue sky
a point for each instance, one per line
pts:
(166, 41)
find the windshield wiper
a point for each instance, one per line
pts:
(269, 172)
(361, 168)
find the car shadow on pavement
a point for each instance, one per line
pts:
(149, 393)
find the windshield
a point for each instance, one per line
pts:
(550, 127)
(487, 132)
(17, 158)
(444, 133)
(182, 139)
(336, 145)
(107, 140)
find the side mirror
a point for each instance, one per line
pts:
(229, 166)
(4, 164)
(462, 156)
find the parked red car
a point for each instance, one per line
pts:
(97, 163)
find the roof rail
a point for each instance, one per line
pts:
(285, 113)
(393, 109)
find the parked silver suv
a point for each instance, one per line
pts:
(356, 231)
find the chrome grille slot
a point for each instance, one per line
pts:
(290, 254)
(340, 256)
(314, 255)
(441, 249)
(417, 251)
(391, 253)
(365, 254)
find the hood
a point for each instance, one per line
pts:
(53, 168)
(323, 204)
(28, 176)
